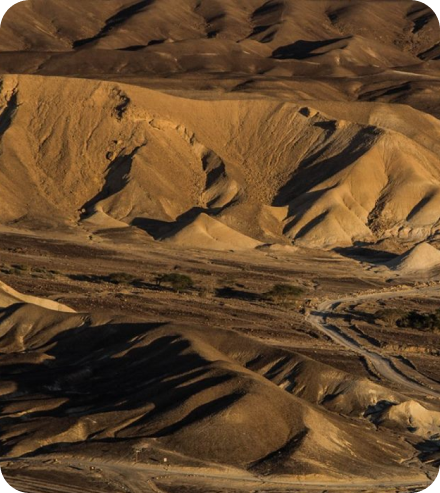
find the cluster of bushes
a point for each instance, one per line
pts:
(181, 283)
(429, 322)
(21, 269)
(280, 293)
(421, 321)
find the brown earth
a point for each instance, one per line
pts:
(251, 146)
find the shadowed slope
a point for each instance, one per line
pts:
(216, 396)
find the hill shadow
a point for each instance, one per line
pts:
(160, 229)
(367, 254)
(302, 49)
(114, 21)
(137, 369)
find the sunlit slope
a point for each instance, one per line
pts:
(271, 170)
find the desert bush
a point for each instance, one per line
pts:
(121, 278)
(12, 271)
(42, 272)
(177, 282)
(389, 316)
(413, 319)
(421, 321)
(21, 267)
(283, 292)
(239, 294)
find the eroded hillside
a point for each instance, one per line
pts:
(271, 170)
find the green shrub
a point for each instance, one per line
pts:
(390, 316)
(421, 321)
(412, 319)
(283, 292)
(177, 282)
(121, 278)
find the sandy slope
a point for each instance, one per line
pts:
(270, 170)
(421, 258)
(269, 136)
(208, 232)
(9, 296)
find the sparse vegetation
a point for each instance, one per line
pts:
(429, 322)
(389, 316)
(177, 282)
(283, 292)
(121, 278)
(240, 294)
(113, 278)
(22, 269)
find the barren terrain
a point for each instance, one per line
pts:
(219, 255)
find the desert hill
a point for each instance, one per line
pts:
(212, 234)
(136, 26)
(222, 143)
(347, 50)
(210, 396)
(421, 258)
(272, 170)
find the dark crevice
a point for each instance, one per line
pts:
(114, 21)
(269, 7)
(8, 113)
(214, 167)
(278, 460)
(301, 49)
(116, 179)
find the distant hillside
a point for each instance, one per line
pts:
(347, 50)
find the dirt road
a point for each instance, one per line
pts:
(383, 364)
(202, 477)
(235, 479)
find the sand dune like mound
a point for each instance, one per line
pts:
(213, 396)
(415, 416)
(421, 258)
(208, 232)
(9, 296)
(99, 220)
(292, 174)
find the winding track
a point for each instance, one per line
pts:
(204, 477)
(382, 364)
